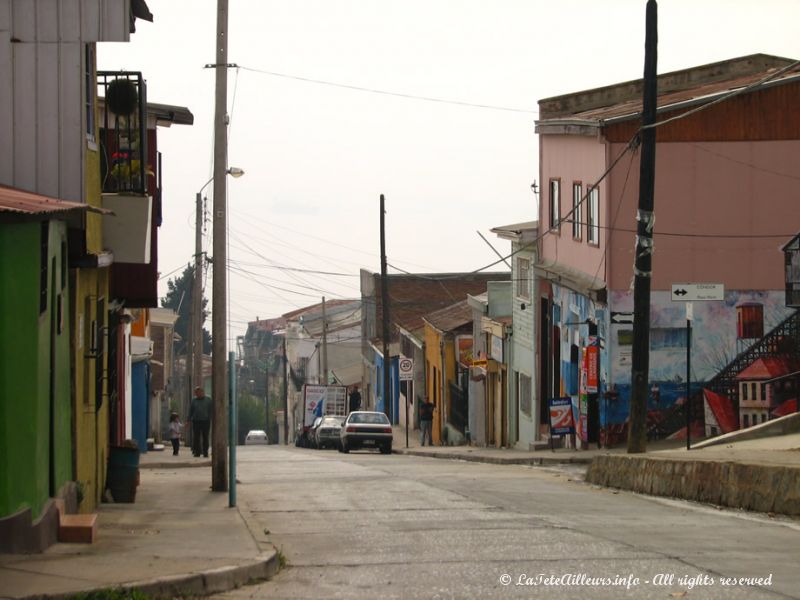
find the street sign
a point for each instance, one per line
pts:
(697, 292)
(406, 369)
(621, 318)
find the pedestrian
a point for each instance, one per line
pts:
(355, 399)
(200, 417)
(425, 421)
(175, 429)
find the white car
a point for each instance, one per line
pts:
(256, 436)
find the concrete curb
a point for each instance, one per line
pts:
(214, 581)
(761, 488)
(539, 460)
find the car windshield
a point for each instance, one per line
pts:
(331, 422)
(376, 418)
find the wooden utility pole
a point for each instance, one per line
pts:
(219, 301)
(637, 431)
(285, 397)
(387, 360)
(197, 299)
(324, 345)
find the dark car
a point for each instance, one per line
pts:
(366, 429)
(328, 431)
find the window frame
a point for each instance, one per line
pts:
(555, 204)
(522, 288)
(577, 209)
(593, 217)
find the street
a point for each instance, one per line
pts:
(365, 525)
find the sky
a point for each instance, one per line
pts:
(318, 153)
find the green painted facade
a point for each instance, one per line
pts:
(35, 405)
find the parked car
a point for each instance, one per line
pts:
(312, 432)
(256, 436)
(328, 432)
(366, 429)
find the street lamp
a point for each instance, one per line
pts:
(197, 291)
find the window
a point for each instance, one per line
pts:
(555, 203)
(523, 278)
(745, 420)
(88, 71)
(577, 221)
(524, 391)
(593, 222)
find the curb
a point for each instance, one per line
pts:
(759, 488)
(499, 460)
(214, 581)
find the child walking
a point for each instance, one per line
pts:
(175, 428)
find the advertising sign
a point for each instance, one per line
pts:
(322, 400)
(562, 421)
(496, 351)
(592, 358)
(464, 350)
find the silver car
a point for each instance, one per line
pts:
(366, 429)
(327, 432)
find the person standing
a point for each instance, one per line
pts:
(426, 421)
(200, 417)
(175, 428)
(355, 399)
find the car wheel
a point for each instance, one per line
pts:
(345, 448)
(386, 449)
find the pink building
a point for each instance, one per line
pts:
(726, 201)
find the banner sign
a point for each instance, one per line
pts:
(322, 400)
(562, 421)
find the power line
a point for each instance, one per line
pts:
(358, 88)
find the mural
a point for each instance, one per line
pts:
(747, 345)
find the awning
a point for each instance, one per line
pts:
(21, 203)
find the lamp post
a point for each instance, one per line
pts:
(197, 287)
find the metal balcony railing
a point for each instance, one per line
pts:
(123, 132)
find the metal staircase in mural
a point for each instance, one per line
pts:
(783, 340)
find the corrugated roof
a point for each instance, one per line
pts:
(13, 200)
(451, 317)
(697, 85)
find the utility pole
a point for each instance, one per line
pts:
(387, 360)
(219, 309)
(324, 345)
(643, 261)
(285, 397)
(197, 299)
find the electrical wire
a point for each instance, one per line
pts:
(358, 88)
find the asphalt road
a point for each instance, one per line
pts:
(365, 525)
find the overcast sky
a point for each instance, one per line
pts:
(317, 156)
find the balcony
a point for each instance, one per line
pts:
(123, 143)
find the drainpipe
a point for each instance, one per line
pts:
(443, 389)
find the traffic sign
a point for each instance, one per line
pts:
(621, 318)
(697, 292)
(406, 369)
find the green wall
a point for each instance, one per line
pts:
(25, 403)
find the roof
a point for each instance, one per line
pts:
(29, 204)
(767, 367)
(348, 375)
(516, 231)
(167, 114)
(696, 85)
(722, 408)
(786, 408)
(451, 317)
(317, 308)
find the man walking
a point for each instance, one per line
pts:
(425, 421)
(200, 417)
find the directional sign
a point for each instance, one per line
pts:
(406, 368)
(697, 292)
(620, 318)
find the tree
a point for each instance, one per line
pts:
(179, 299)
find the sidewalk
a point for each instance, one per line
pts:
(178, 538)
(762, 475)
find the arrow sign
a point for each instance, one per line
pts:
(620, 318)
(697, 292)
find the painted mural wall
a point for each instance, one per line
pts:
(718, 336)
